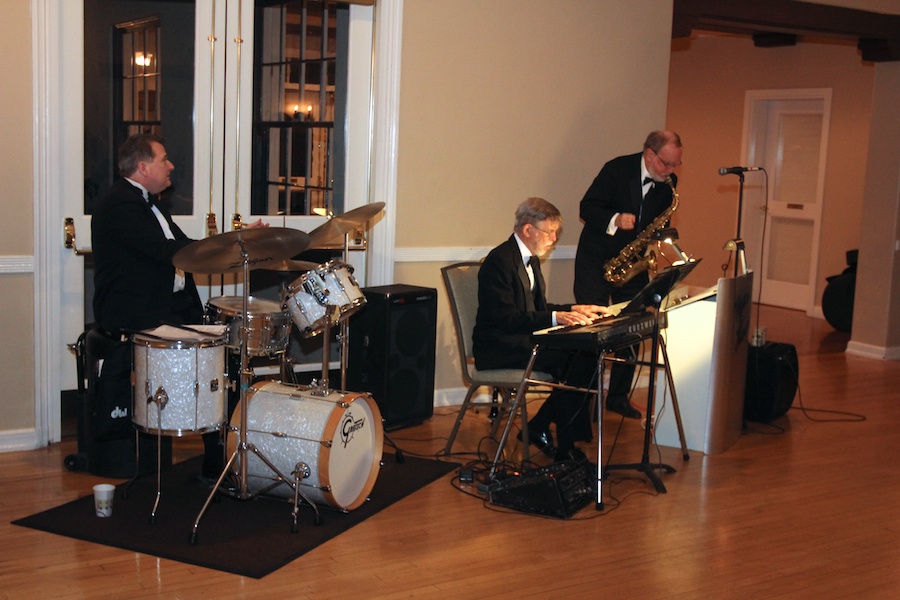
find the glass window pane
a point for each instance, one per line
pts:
(294, 107)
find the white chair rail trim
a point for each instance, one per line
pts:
(16, 264)
(463, 253)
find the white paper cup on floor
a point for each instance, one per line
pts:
(103, 499)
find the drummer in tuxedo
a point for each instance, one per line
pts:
(134, 239)
(511, 305)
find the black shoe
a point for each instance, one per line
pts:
(624, 408)
(542, 440)
(572, 454)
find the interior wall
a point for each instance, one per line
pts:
(17, 403)
(709, 76)
(509, 99)
(876, 323)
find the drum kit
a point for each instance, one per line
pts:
(300, 442)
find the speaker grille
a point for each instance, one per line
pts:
(392, 346)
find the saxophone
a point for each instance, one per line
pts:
(634, 258)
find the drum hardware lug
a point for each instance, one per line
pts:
(316, 290)
(160, 397)
(214, 385)
(301, 471)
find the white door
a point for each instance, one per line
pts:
(220, 136)
(786, 134)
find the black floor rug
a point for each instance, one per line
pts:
(246, 537)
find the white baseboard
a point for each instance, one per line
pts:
(19, 439)
(449, 397)
(872, 351)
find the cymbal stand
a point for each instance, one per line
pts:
(345, 324)
(242, 448)
(345, 339)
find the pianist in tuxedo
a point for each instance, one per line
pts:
(512, 304)
(627, 195)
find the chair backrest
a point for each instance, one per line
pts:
(461, 281)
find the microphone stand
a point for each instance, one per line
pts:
(737, 237)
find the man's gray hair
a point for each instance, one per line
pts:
(535, 210)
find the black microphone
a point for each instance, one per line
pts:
(737, 170)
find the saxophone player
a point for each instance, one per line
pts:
(628, 194)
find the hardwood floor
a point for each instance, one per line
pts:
(803, 508)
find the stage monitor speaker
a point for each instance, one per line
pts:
(391, 352)
(558, 490)
(772, 374)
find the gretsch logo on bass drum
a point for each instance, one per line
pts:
(349, 427)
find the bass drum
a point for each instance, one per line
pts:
(338, 436)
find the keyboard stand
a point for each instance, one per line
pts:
(645, 466)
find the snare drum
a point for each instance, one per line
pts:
(179, 381)
(331, 283)
(269, 330)
(338, 436)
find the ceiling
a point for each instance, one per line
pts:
(786, 22)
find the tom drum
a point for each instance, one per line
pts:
(269, 326)
(331, 283)
(179, 380)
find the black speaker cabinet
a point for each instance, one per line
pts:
(771, 381)
(391, 352)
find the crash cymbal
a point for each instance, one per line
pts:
(328, 234)
(222, 253)
(291, 265)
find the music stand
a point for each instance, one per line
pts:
(650, 296)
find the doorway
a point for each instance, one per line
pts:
(786, 135)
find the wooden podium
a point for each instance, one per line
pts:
(706, 340)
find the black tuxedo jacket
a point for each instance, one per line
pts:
(616, 189)
(507, 310)
(133, 270)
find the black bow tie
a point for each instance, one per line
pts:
(152, 200)
(649, 180)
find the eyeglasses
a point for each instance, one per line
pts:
(668, 164)
(547, 233)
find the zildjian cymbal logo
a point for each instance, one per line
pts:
(349, 426)
(250, 262)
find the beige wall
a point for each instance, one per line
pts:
(502, 100)
(709, 76)
(17, 403)
(876, 322)
(533, 101)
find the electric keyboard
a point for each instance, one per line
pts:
(603, 334)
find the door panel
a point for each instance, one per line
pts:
(786, 133)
